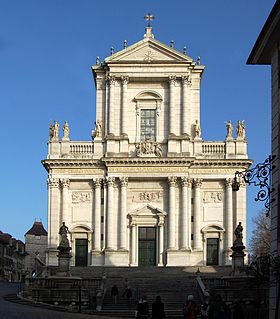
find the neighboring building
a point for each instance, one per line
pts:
(147, 190)
(36, 243)
(267, 51)
(12, 253)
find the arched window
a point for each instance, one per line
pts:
(148, 105)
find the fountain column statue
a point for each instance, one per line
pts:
(64, 255)
(238, 251)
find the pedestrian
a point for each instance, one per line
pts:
(128, 294)
(158, 309)
(142, 311)
(218, 309)
(114, 294)
(204, 310)
(190, 309)
(238, 311)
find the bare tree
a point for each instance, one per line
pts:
(259, 243)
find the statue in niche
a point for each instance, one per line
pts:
(239, 235)
(65, 131)
(63, 231)
(229, 129)
(98, 129)
(240, 129)
(197, 130)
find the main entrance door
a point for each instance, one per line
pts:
(147, 246)
(212, 251)
(81, 252)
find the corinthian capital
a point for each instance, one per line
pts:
(124, 79)
(124, 181)
(53, 182)
(228, 182)
(186, 80)
(172, 180)
(110, 80)
(172, 79)
(65, 183)
(110, 181)
(197, 182)
(186, 181)
(97, 182)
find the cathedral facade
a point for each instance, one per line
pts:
(146, 189)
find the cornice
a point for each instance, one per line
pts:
(59, 163)
(143, 161)
(189, 162)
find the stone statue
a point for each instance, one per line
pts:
(197, 130)
(240, 129)
(65, 131)
(51, 132)
(98, 129)
(63, 231)
(56, 130)
(239, 235)
(158, 150)
(148, 147)
(229, 129)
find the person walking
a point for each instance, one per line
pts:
(190, 310)
(158, 309)
(128, 294)
(114, 294)
(142, 311)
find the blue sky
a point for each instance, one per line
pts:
(46, 52)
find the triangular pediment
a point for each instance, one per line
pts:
(147, 210)
(149, 51)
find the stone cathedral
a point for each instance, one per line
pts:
(146, 189)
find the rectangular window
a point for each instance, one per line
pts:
(148, 125)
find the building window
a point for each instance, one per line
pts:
(148, 124)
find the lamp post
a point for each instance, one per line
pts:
(260, 176)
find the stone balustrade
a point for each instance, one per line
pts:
(229, 149)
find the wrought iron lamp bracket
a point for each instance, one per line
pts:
(259, 176)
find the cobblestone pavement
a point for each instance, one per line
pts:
(10, 310)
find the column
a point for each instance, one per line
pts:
(228, 211)
(53, 212)
(123, 228)
(97, 214)
(185, 219)
(133, 242)
(197, 239)
(172, 111)
(186, 97)
(111, 113)
(161, 242)
(124, 80)
(171, 213)
(65, 183)
(111, 229)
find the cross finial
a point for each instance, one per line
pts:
(149, 17)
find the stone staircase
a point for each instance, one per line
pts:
(173, 284)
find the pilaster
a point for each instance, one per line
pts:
(228, 219)
(64, 183)
(123, 213)
(186, 105)
(111, 229)
(124, 81)
(171, 214)
(185, 218)
(197, 238)
(172, 113)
